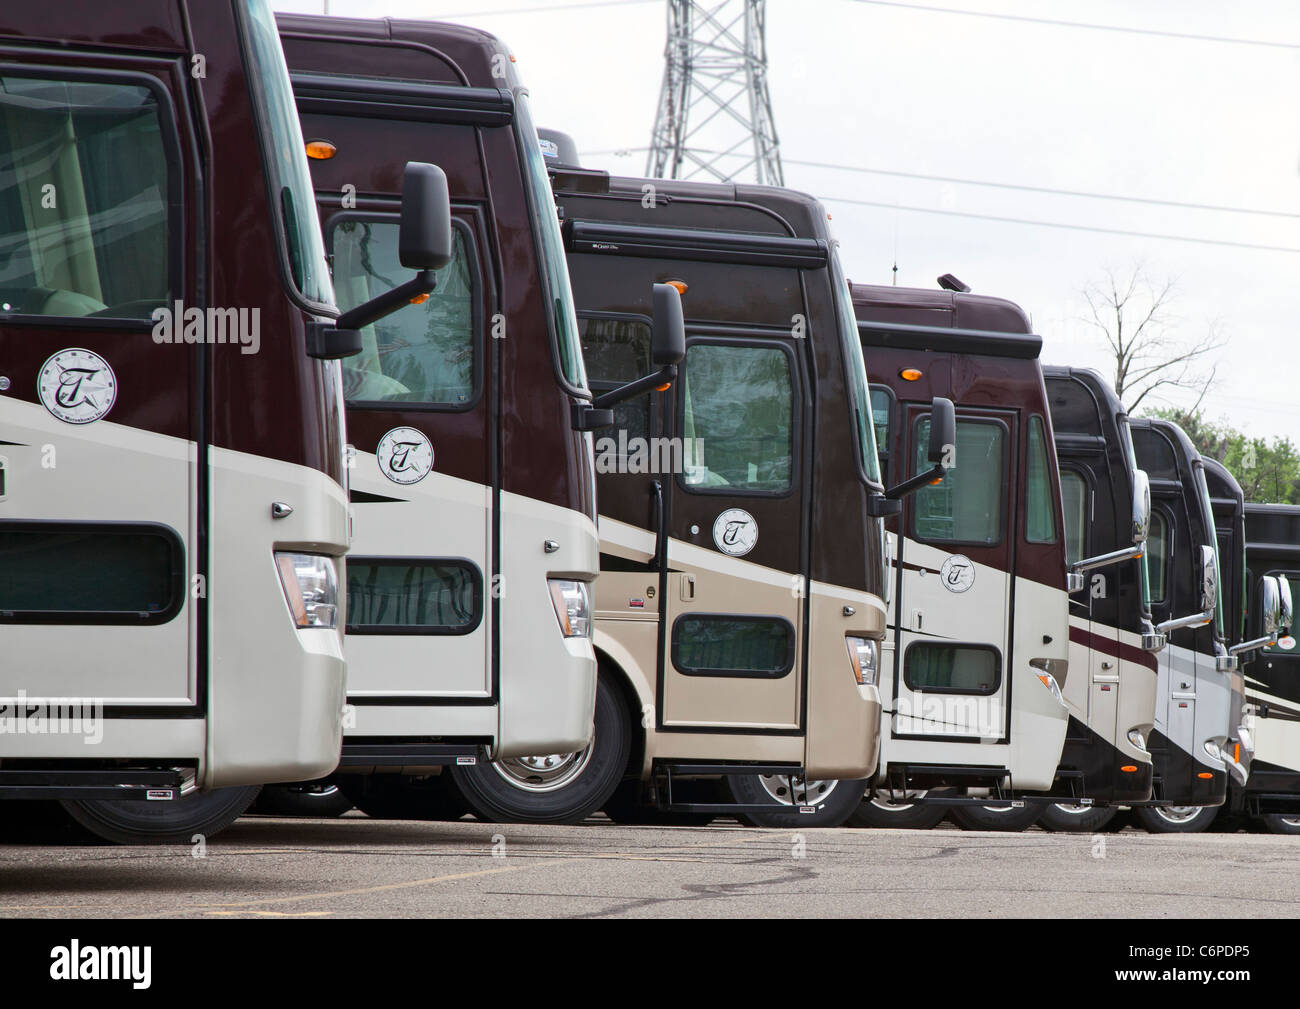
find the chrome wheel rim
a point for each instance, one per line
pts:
(1073, 809)
(882, 801)
(544, 773)
(1290, 821)
(1178, 814)
(806, 793)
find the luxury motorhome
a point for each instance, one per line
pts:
(173, 511)
(740, 605)
(978, 639)
(1111, 688)
(472, 476)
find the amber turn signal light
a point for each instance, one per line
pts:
(910, 374)
(321, 150)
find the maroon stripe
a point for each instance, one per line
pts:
(1109, 646)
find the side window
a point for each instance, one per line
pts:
(1040, 508)
(967, 506)
(724, 645)
(936, 668)
(1074, 498)
(86, 191)
(1158, 554)
(738, 418)
(617, 351)
(882, 405)
(83, 573)
(393, 595)
(423, 353)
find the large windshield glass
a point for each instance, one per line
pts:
(1207, 510)
(289, 179)
(855, 371)
(550, 247)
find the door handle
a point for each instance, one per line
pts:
(661, 532)
(688, 588)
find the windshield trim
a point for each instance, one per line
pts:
(274, 184)
(1207, 509)
(857, 383)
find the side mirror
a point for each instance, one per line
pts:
(424, 243)
(1270, 605)
(1209, 598)
(1141, 507)
(668, 338)
(942, 452)
(667, 348)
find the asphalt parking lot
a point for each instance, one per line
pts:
(357, 867)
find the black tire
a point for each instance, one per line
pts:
(1009, 819)
(1280, 823)
(137, 821)
(875, 810)
(403, 796)
(627, 806)
(1062, 819)
(832, 800)
(506, 791)
(320, 799)
(1165, 820)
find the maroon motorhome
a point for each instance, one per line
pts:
(172, 505)
(472, 479)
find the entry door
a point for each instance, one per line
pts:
(953, 661)
(420, 405)
(99, 475)
(734, 605)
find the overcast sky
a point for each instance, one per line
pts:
(879, 86)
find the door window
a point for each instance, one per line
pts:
(967, 506)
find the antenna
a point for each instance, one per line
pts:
(715, 114)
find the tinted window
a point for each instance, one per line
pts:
(1040, 508)
(84, 199)
(967, 506)
(737, 646)
(421, 353)
(951, 669)
(392, 596)
(737, 414)
(882, 402)
(1074, 498)
(617, 351)
(72, 573)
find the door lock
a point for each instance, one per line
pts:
(688, 588)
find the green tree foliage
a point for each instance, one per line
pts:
(1268, 471)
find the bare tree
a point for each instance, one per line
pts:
(1134, 316)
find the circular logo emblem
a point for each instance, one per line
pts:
(1286, 643)
(957, 573)
(77, 386)
(735, 532)
(405, 455)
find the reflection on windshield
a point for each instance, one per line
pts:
(856, 377)
(1207, 509)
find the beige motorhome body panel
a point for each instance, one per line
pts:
(265, 725)
(1128, 705)
(844, 716)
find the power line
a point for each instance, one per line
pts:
(1221, 208)
(1062, 224)
(1185, 36)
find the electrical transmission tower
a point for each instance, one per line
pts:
(715, 114)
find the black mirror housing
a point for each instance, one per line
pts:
(668, 337)
(943, 432)
(425, 238)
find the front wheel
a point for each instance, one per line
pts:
(1279, 823)
(879, 809)
(554, 787)
(1070, 819)
(178, 821)
(820, 802)
(1175, 819)
(317, 799)
(1009, 818)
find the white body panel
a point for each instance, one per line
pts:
(1194, 704)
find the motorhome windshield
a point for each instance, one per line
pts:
(286, 158)
(1126, 438)
(1207, 509)
(555, 273)
(856, 371)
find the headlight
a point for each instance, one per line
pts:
(1212, 748)
(311, 588)
(864, 653)
(572, 602)
(1049, 681)
(1135, 737)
